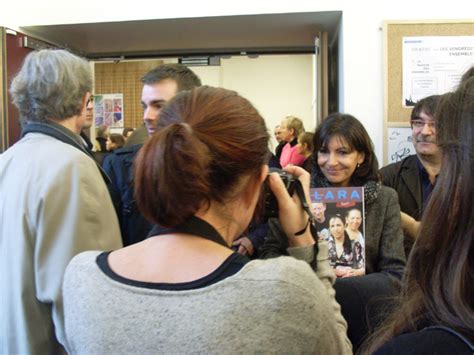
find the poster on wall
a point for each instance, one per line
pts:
(434, 65)
(108, 110)
(400, 143)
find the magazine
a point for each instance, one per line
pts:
(339, 217)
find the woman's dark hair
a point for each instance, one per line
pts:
(353, 132)
(207, 140)
(347, 241)
(439, 279)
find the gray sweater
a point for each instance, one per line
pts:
(276, 305)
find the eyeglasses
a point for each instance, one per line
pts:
(420, 124)
(91, 99)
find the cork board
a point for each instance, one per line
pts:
(396, 115)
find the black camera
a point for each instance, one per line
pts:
(270, 203)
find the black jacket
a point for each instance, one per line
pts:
(404, 177)
(119, 167)
(431, 340)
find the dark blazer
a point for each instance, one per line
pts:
(431, 340)
(119, 167)
(279, 148)
(404, 177)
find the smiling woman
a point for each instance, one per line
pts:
(338, 161)
(345, 157)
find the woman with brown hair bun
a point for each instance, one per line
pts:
(183, 289)
(435, 312)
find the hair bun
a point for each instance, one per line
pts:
(179, 162)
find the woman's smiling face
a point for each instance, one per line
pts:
(354, 220)
(336, 228)
(338, 161)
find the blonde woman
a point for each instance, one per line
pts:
(291, 127)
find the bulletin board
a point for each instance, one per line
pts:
(397, 116)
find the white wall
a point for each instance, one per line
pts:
(362, 50)
(277, 85)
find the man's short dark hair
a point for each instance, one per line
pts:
(428, 105)
(184, 77)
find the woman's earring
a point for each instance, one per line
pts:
(358, 165)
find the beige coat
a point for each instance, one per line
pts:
(53, 205)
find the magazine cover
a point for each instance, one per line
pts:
(339, 217)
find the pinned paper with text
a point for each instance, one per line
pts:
(434, 65)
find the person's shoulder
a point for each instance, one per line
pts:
(40, 143)
(82, 278)
(84, 257)
(120, 157)
(66, 156)
(395, 168)
(130, 150)
(426, 341)
(386, 196)
(387, 192)
(124, 155)
(391, 168)
(84, 262)
(284, 269)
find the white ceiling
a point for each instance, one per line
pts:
(273, 33)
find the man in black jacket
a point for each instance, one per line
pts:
(159, 86)
(415, 176)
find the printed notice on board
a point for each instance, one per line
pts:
(434, 65)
